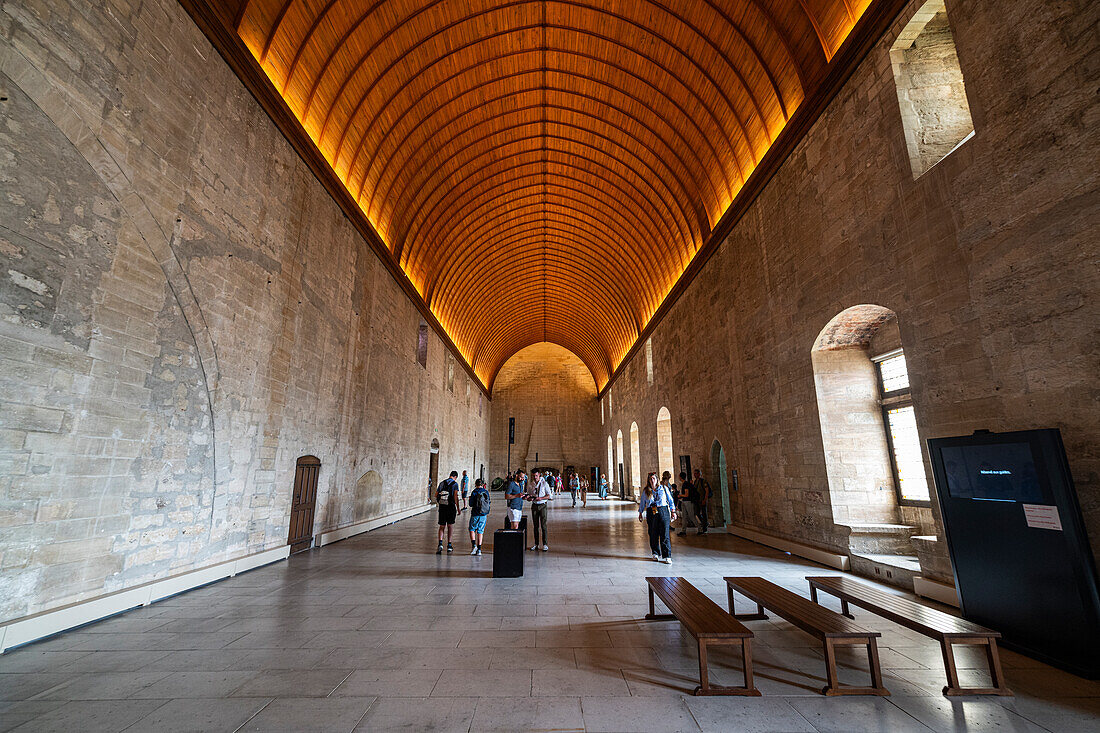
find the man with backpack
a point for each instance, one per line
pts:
(446, 496)
(479, 514)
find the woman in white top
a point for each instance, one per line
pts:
(658, 510)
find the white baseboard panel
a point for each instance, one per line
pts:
(335, 535)
(832, 559)
(30, 628)
(937, 591)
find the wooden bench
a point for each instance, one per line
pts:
(945, 628)
(829, 626)
(708, 623)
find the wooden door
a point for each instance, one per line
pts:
(433, 475)
(303, 504)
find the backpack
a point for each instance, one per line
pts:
(445, 493)
(479, 502)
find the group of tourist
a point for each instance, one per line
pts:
(447, 497)
(659, 506)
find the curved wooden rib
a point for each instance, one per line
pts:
(544, 169)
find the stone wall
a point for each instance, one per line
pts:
(552, 396)
(989, 260)
(184, 312)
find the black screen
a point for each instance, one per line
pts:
(1001, 472)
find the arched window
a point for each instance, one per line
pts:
(868, 425)
(665, 460)
(935, 113)
(610, 459)
(619, 461)
(635, 458)
(649, 360)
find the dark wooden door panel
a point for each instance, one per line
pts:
(303, 504)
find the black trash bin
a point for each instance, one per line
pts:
(508, 553)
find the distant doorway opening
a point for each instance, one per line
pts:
(303, 503)
(720, 479)
(433, 470)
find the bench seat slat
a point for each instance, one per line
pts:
(800, 611)
(908, 613)
(698, 614)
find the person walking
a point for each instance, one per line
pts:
(479, 515)
(603, 486)
(513, 494)
(657, 510)
(687, 505)
(542, 494)
(465, 488)
(446, 496)
(584, 491)
(574, 487)
(702, 497)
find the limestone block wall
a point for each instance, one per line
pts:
(989, 260)
(552, 396)
(183, 313)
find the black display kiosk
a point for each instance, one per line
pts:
(1022, 561)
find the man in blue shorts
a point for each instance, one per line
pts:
(479, 514)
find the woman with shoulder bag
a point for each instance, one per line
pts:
(658, 511)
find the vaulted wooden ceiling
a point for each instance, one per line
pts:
(543, 170)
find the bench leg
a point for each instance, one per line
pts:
(706, 688)
(875, 667)
(813, 593)
(844, 609)
(653, 615)
(746, 661)
(996, 674)
(949, 666)
(758, 616)
(704, 682)
(835, 688)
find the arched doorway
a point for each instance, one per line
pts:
(635, 459)
(720, 479)
(610, 461)
(433, 470)
(303, 503)
(664, 443)
(619, 463)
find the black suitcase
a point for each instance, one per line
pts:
(508, 553)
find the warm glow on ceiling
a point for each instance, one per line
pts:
(544, 170)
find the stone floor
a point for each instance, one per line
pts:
(378, 633)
